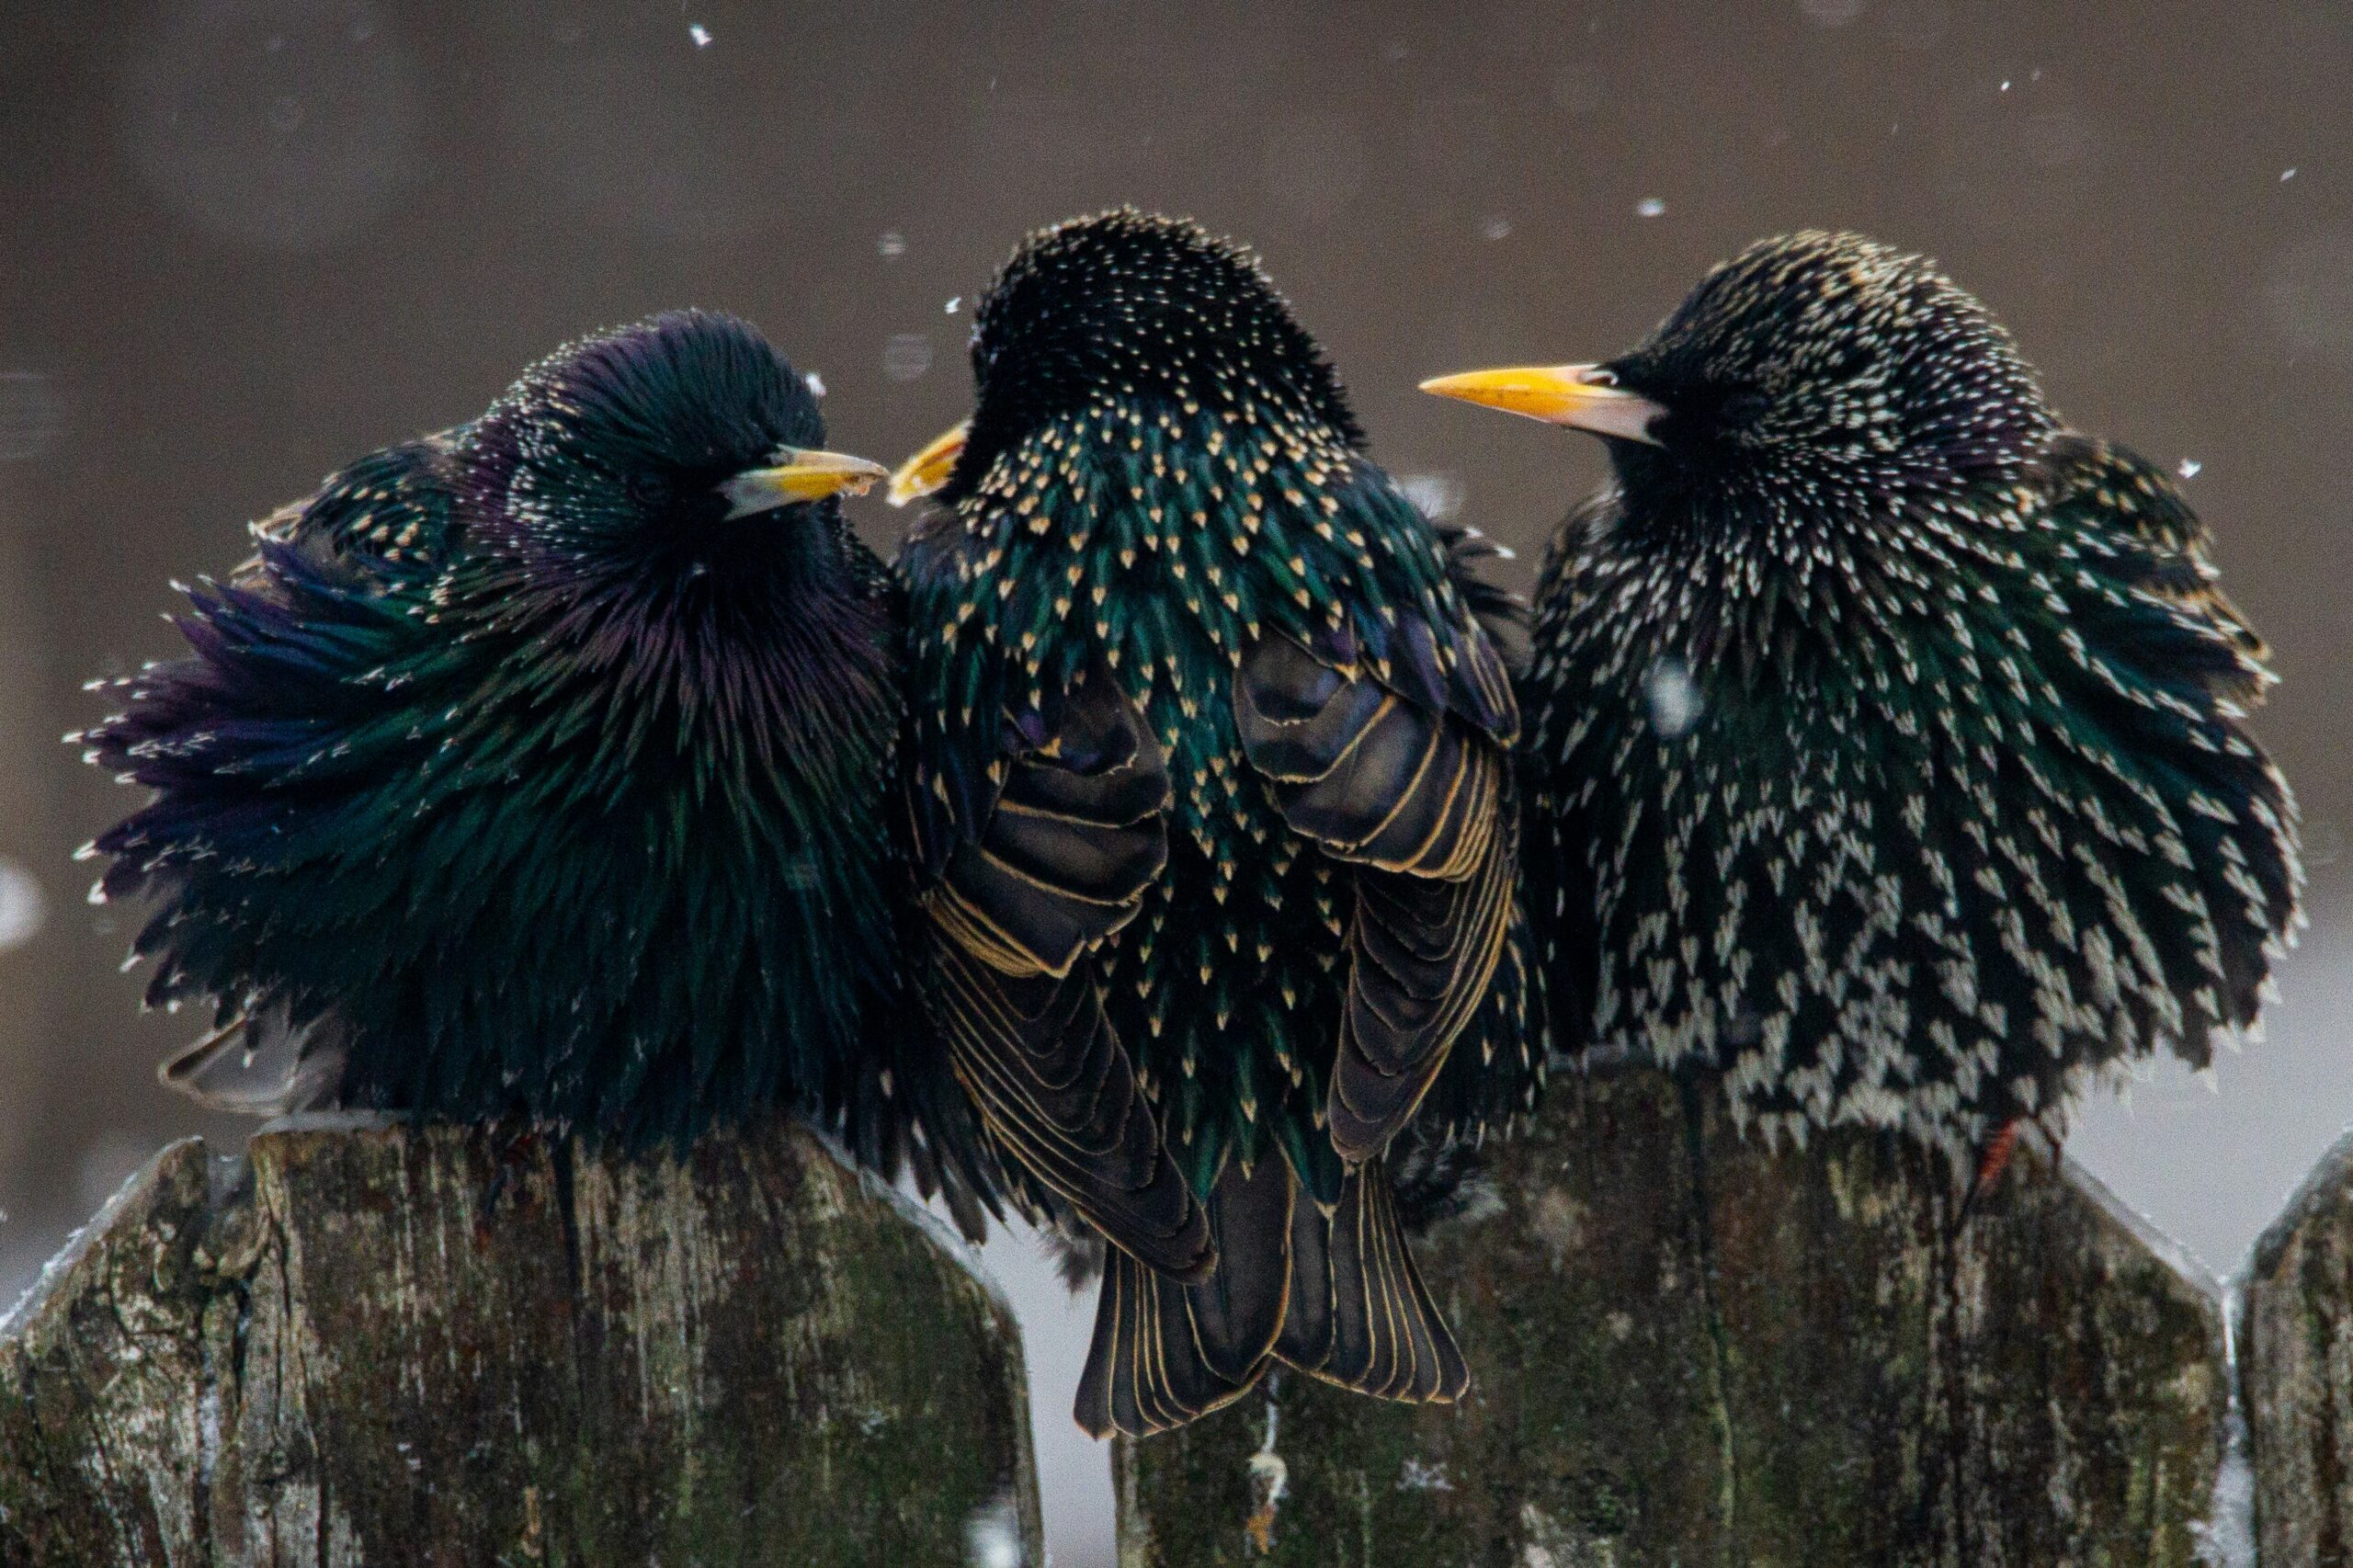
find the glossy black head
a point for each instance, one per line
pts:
(669, 437)
(1823, 369)
(1134, 307)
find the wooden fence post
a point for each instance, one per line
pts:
(2296, 1356)
(365, 1345)
(1688, 1349)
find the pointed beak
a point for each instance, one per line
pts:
(928, 469)
(1586, 397)
(801, 473)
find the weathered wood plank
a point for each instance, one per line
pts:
(2296, 1362)
(377, 1346)
(1690, 1350)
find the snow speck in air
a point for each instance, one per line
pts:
(906, 356)
(30, 415)
(816, 383)
(1497, 229)
(993, 1536)
(22, 908)
(1651, 207)
(700, 34)
(1438, 496)
(955, 304)
(2189, 467)
(2006, 87)
(2287, 173)
(1420, 1477)
(1831, 13)
(1674, 700)
(891, 246)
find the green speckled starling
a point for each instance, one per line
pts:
(1213, 802)
(1886, 747)
(538, 769)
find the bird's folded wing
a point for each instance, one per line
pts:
(2110, 490)
(391, 518)
(1072, 839)
(1415, 798)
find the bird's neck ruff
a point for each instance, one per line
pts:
(735, 671)
(1767, 563)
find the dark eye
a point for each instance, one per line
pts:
(648, 489)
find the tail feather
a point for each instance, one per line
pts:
(1360, 1315)
(259, 1065)
(1337, 1296)
(1165, 1353)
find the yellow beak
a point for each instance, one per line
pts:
(928, 469)
(1584, 396)
(802, 473)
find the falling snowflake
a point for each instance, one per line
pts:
(906, 356)
(892, 245)
(955, 304)
(700, 34)
(29, 414)
(2189, 467)
(1651, 207)
(1674, 700)
(1497, 228)
(1438, 496)
(2287, 173)
(21, 905)
(993, 1536)
(816, 383)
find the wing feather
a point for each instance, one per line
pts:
(1417, 799)
(1074, 836)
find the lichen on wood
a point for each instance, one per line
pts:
(2296, 1362)
(1689, 1349)
(368, 1345)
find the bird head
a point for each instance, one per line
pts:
(1813, 373)
(679, 439)
(1125, 308)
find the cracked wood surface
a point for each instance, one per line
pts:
(1688, 1350)
(377, 1346)
(2296, 1351)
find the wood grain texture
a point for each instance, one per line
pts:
(1688, 1349)
(2296, 1359)
(366, 1346)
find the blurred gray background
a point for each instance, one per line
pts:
(245, 240)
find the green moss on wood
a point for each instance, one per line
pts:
(2296, 1351)
(1687, 1351)
(392, 1347)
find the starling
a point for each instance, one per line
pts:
(537, 769)
(1886, 749)
(1214, 817)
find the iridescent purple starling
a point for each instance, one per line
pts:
(539, 767)
(1886, 737)
(1214, 801)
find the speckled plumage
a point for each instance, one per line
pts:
(515, 776)
(1886, 742)
(1160, 594)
